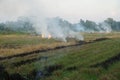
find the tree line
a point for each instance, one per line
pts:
(24, 25)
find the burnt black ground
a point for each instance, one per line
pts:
(49, 49)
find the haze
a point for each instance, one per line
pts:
(71, 10)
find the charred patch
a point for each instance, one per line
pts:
(79, 43)
(17, 76)
(35, 75)
(59, 47)
(3, 74)
(36, 52)
(47, 71)
(71, 68)
(100, 39)
(108, 62)
(51, 69)
(28, 61)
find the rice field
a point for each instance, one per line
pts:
(28, 57)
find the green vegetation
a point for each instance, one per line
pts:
(99, 60)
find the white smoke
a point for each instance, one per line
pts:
(59, 28)
(12, 9)
(37, 13)
(54, 27)
(104, 28)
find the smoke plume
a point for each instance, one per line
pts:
(104, 28)
(56, 28)
(38, 17)
(47, 27)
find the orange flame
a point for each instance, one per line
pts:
(43, 36)
(49, 36)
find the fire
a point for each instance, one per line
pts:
(43, 36)
(49, 36)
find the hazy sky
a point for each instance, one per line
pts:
(71, 10)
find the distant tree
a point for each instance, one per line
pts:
(90, 25)
(112, 23)
(2, 26)
(82, 22)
